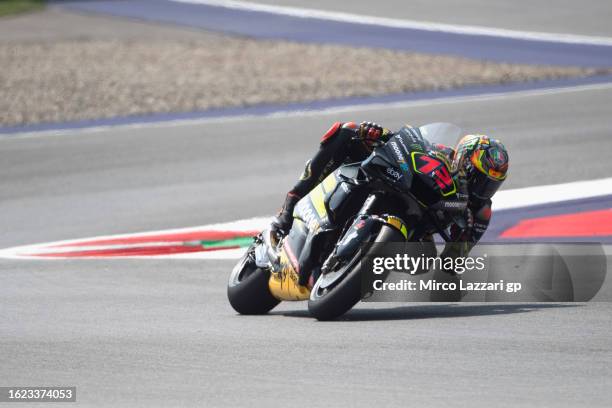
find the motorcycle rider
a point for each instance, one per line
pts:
(479, 165)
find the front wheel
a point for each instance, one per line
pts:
(247, 289)
(336, 292)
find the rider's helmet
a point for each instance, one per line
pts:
(483, 162)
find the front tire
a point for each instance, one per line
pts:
(327, 302)
(247, 289)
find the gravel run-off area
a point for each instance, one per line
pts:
(91, 70)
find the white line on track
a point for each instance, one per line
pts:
(408, 24)
(504, 200)
(529, 196)
(251, 224)
(315, 112)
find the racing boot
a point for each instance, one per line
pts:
(281, 224)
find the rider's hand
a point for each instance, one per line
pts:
(370, 130)
(463, 233)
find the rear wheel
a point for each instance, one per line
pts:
(336, 292)
(247, 289)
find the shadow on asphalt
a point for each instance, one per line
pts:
(434, 311)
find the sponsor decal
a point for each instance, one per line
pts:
(454, 204)
(397, 151)
(307, 214)
(401, 140)
(394, 173)
(413, 134)
(436, 169)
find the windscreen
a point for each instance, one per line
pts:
(443, 133)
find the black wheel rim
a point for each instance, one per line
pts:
(245, 268)
(326, 283)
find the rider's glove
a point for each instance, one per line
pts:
(459, 234)
(370, 130)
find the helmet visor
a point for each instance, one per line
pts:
(484, 187)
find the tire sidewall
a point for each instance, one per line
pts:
(251, 295)
(346, 294)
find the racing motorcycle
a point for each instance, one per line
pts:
(403, 192)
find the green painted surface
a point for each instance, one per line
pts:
(232, 242)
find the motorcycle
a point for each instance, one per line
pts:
(403, 192)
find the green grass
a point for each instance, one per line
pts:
(8, 7)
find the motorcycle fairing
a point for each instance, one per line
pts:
(284, 285)
(326, 205)
(435, 172)
(312, 209)
(314, 216)
(424, 171)
(284, 279)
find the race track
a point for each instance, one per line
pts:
(178, 175)
(161, 333)
(263, 21)
(588, 17)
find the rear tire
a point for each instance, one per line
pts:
(247, 290)
(340, 298)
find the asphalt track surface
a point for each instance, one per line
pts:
(161, 333)
(588, 17)
(275, 26)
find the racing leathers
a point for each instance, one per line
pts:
(348, 143)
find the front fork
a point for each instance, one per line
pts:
(363, 227)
